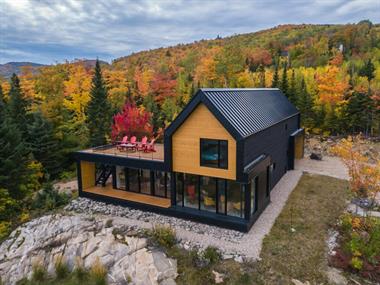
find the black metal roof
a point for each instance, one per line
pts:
(251, 110)
(243, 111)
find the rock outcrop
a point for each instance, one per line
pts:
(126, 255)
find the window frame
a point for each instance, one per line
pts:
(201, 161)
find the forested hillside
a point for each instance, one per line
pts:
(331, 73)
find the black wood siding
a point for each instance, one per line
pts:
(274, 142)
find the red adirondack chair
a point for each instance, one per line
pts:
(133, 140)
(150, 146)
(142, 145)
(121, 145)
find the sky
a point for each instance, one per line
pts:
(50, 31)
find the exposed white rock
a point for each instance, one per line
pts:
(45, 239)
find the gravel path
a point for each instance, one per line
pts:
(329, 166)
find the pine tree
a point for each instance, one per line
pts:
(2, 101)
(18, 106)
(13, 157)
(43, 145)
(261, 71)
(292, 94)
(368, 70)
(305, 104)
(275, 81)
(98, 110)
(284, 81)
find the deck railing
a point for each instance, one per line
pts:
(111, 149)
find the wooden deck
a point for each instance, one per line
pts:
(129, 196)
(112, 150)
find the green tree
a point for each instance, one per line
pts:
(359, 111)
(98, 110)
(305, 105)
(292, 94)
(284, 81)
(261, 71)
(43, 145)
(276, 80)
(13, 157)
(368, 70)
(18, 105)
(2, 100)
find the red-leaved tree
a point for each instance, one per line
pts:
(131, 121)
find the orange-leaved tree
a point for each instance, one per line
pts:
(364, 175)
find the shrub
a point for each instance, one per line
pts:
(98, 273)
(164, 236)
(61, 268)
(5, 228)
(79, 271)
(211, 255)
(49, 198)
(39, 272)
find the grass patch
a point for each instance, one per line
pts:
(312, 208)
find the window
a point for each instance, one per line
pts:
(214, 153)
(191, 198)
(120, 177)
(208, 193)
(235, 199)
(179, 188)
(221, 196)
(133, 179)
(159, 184)
(254, 184)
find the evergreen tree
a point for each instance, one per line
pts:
(359, 111)
(17, 106)
(13, 157)
(284, 81)
(152, 107)
(98, 110)
(261, 71)
(292, 94)
(368, 70)
(305, 104)
(275, 81)
(2, 100)
(43, 145)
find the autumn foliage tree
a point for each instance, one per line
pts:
(364, 176)
(131, 121)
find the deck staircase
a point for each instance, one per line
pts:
(102, 174)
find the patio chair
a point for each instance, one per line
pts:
(133, 140)
(150, 146)
(142, 145)
(121, 144)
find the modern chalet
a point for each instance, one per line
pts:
(218, 163)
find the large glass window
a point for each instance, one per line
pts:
(120, 177)
(235, 199)
(208, 193)
(179, 188)
(191, 191)
(145, 181)
(168, 185)
(161, 184)
(133, 180)
(254, 183)
(221, 196)
(214, 153)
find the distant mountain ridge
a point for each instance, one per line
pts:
(7, 69)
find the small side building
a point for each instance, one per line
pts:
(220, 160)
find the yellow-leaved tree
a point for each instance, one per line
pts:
(364, 174)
